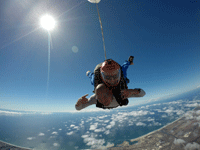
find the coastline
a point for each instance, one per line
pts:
(8, 146)
(166, 138)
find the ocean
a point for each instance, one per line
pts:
(91, 130)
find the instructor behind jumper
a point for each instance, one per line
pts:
(110, 86)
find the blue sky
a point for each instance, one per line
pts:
(162, 35)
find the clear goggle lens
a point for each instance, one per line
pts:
(111, 77)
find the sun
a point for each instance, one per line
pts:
(47, 22)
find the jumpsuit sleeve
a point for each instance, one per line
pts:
(92, 100)
(125, 66)
(91, 76)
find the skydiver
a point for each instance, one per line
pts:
(110, 86)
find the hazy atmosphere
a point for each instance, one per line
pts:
(162, 35)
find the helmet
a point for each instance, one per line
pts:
(110, 72)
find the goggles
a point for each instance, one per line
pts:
(112, 77)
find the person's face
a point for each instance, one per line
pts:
(112, 78)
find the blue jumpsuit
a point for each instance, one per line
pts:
(124, 67)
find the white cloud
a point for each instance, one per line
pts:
(110, 144)
(138, 113)
(93, 142)
(130, 124)
(151, 113)
(180, 112)
(100, 130)
(178, 141)
(109, 127)
(121, 117)
(76, 127)
(8, 113)
(150, 119)
(153, 99)
(107, 132)
(158, 110)
(164, 108)
(72, 125)
(189, 115)
(157, 124)
(192, 105)
(198, 118)
(94, 126)
(140, 124)
(164, 116)
(51, 137)
(41, 134)
(112, 123)
(55, 144)
(193, 146)
(90, 119)
(85, 136)
(157, 104)
(82, 122)
(30, 138)
(12, 112)
(106, 121)
(97, 119)
(170, 110)
(70, 133)
(100, 120)
(192, 115)
(103, 117)
(174, 102)
(198, 112)
(59, 129)
(55, 133)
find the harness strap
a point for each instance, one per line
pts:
(116, 90)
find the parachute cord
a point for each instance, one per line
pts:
(101, 32)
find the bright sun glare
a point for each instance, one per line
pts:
(47, 22)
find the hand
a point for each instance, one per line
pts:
(82, 100)
(128, 92)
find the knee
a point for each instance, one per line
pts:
(103, 94)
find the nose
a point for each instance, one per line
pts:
(112, 80)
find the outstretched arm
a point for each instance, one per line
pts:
(83, 102)
(127, 93)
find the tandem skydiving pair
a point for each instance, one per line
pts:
(110, 86)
